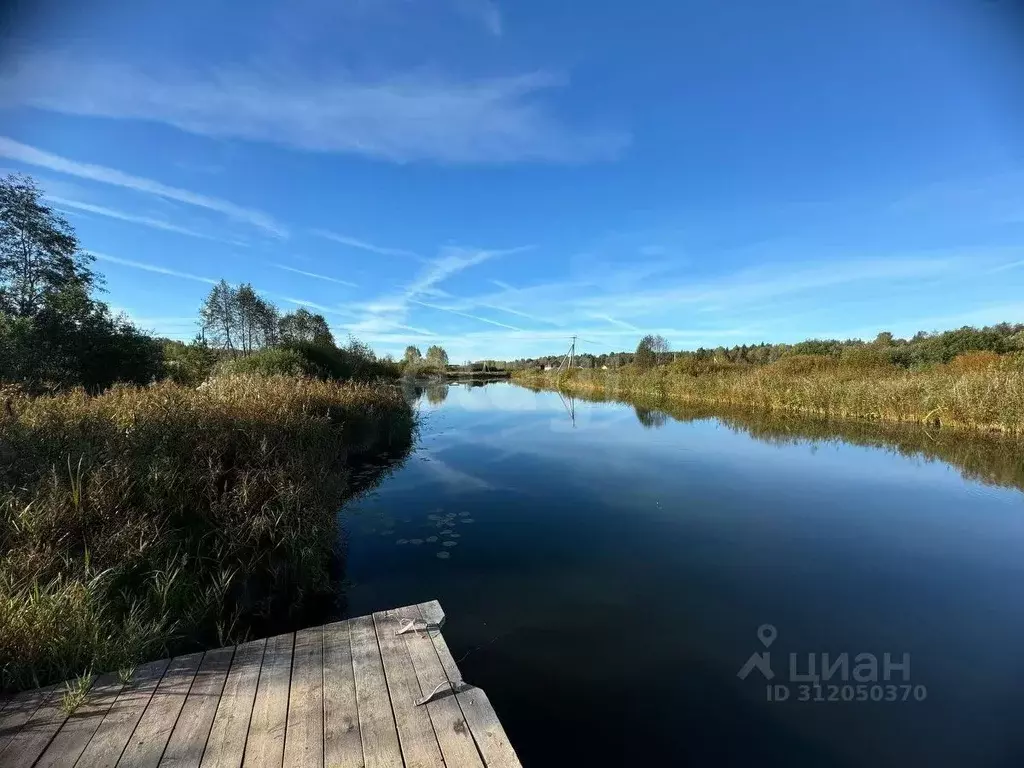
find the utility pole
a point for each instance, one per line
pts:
(568, 357)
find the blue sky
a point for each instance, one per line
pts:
(497, 176)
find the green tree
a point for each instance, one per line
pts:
(257, 319)
(219, 317)
(412, 356)
(649, 351)
(52, 332)
(304, 326)
(39, 254)
(437, 357)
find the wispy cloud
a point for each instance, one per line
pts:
(401, 118)
(452, 261)
(1011, 265)
(315, 275)
(484, 11)
(154, 268)
(146, 221)
(23, 153)
(363, 245)
(465, 314)
(614, 321)
(319, 307)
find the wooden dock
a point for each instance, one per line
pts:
(374, 691)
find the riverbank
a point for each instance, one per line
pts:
(976, 393)
(150, 521)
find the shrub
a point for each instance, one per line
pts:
(974, 361)
(269, 362)
(796, 364)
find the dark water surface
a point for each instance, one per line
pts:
(605, 581)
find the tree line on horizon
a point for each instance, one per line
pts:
(921, 349)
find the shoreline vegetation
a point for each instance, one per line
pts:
(156, 496)
(147, 521)
(990, 458)
(976, 391)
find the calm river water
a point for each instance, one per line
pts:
(606, 568)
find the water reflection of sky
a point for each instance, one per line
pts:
(700, 533)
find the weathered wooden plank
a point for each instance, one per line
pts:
(147, 743)
(188, 739)
(265, 745)
(34, 736)
(226, 745)
(343, 747)
(304, 738)
(483, 721)
(450, 727)
(415, 731)
(113, 734)
(19, 710)
(376, 723)
(77, 731)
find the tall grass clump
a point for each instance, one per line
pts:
(148, 520)
(976, 390)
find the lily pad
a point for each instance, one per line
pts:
(468, 520)
(415, 541)
(449, 543)
(444, 555)
(431, 539)
(402, 541)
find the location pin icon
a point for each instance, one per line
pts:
(766, 634)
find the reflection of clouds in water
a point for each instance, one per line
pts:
(502, 397)
(455, 479)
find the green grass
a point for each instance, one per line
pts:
(980, 391)
(157, 519)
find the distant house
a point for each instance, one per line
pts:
(604, 367)
(549, 367)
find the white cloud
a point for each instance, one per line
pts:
(362, 244)
(154, 268)
(465, 314)
(401, 118)
(112, 213)
(317, 276)
(23, 153)
(484, 11)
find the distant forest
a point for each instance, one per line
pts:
(923, 349)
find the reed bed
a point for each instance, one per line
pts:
(155, 519)
(980, 391)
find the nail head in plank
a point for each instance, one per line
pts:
(147, 743)
(226, 745)
(35, 735)
(77, 731)
(304, 738)
(265, 745)
(113, 734)
(487, 730)
(376, 721)
(450, 727)
(188, 739)
(343, 746)
(415, 731)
